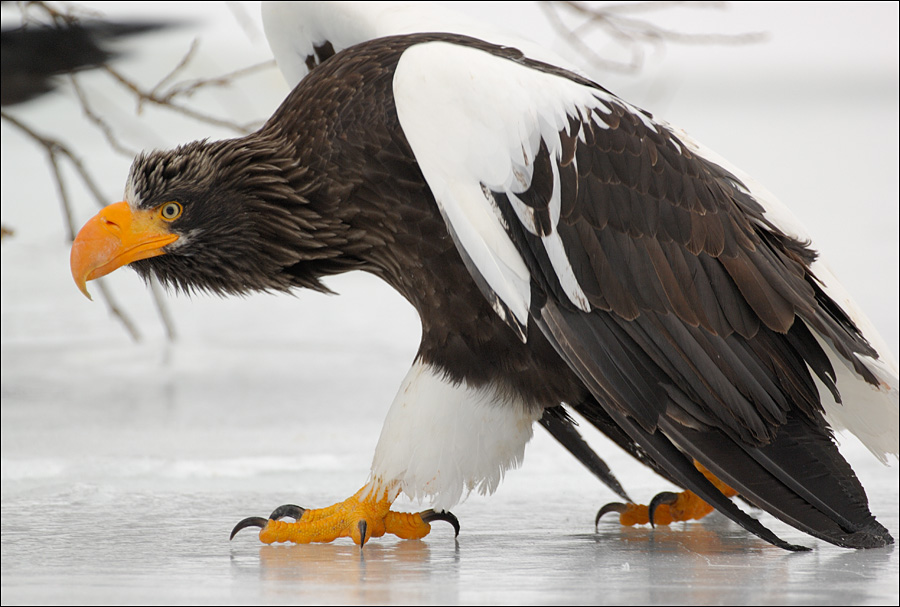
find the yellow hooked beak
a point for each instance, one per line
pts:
(114, 237)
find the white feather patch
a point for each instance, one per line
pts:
(441, 441)
(474, 120)
(294, 28)
(871, 413)
(131, 195)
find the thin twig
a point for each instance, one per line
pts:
(188, 88)
(644, 7)
(52, 151)
(116, 311)
(161, 309)
(55, 146)
(55, 149)
(188, 56)
(101, 124)
(632, 33)
(575, 37)
(148, 96)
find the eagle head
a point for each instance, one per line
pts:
(226, 217)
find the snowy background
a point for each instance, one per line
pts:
(124, 465)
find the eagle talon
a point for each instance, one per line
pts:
(289, 510)
(429, 516)
(362, 526)
(664, 497)
(617, 507)
(250, 521)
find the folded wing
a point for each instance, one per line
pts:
(666, 280)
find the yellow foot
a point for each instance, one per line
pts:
(667, 507)
(366, 515)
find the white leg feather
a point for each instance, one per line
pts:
(441, 440)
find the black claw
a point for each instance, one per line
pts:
(362, 533)
(252, 521)
(610, 507)
(289, 510)
(448, 517)
(666, 497)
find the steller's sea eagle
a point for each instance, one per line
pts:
(561, 247)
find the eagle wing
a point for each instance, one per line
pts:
(678, 293)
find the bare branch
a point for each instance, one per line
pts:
(161, 96)
(161, 309)
(633, 34)
(116, 311)
(187, 88)
(149, 96)
(54, 147)
(66, 17)
(54, 150)
(185, 60)
(101, 124)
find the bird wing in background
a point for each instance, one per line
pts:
(34, 55)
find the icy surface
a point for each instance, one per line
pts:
(124, 466)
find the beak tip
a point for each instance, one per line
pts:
(81, 279)
(82, 286)
(78, 265)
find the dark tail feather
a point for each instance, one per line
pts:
(800, 478)
(562, 428)
(686, 475)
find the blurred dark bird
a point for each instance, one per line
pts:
(34, 55)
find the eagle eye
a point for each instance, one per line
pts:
(170, 211)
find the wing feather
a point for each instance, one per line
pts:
(697, 324)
